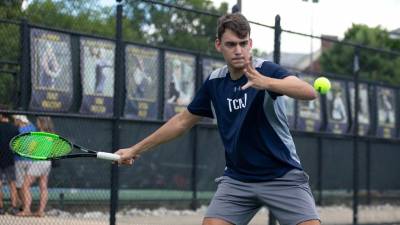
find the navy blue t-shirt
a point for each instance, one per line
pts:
(252, 124)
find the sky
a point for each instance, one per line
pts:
(328, 17)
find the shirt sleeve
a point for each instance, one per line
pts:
(201, 103)
(273, 70)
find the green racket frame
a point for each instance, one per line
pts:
(49, 146)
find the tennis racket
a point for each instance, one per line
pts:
(47, 146)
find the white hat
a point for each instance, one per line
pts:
(21, 118)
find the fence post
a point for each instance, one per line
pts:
(277, 58)
(237, 7)
(194, 204)
(368, 175)
(320, 167)
(161, 80)
(118, 96)
(24, 85)
(277, 40)
(356, 69)
(199, 81)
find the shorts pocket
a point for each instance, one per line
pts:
(295, 177)
(306, 176)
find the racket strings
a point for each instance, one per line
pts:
(40, 147)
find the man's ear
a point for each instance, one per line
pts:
(250, 43)
(218, 45)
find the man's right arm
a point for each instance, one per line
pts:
(173, 128)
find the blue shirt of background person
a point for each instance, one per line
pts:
(28, 128)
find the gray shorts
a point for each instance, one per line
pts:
(30, 168)
(7, 174)
(288, 198)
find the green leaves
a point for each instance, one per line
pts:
(374, 65)
(7, 89)
(142, 22)
(173, 27)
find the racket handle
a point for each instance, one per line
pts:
(108, 156)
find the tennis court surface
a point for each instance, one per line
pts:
(383, 214)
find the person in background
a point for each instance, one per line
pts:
(181, 90)
(50, 68)
(139, 82)
(388, 109)
(338, 108)
(101, 63)
(7, 162)
(41, 170)
(23, 165)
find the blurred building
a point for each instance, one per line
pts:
(306, 61)
(395, 34)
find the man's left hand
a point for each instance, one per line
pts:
(255, 79)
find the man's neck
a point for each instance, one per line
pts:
(235, 74)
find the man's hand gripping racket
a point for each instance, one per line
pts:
(47, 146)
(127, 156)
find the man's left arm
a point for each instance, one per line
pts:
(290, 85)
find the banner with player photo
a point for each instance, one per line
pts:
(337, 108)
(51, 71)
(364, 120)
(386, 104)
(180, 81)
(208, 66)
(97, 76)
(309, 113)
(142, 69)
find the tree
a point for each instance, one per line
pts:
(10, 9)
(9, 48)
(142, 22)
(374, 65)
(161, 25)
(9, 33)
(85, 16)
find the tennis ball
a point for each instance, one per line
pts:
(322, 85)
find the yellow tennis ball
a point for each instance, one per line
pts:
(322, 85)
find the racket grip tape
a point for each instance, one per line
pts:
(108, 156)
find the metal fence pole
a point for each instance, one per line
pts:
(356, 69)
(118, 96)
(319, 172)
(195, 203)
(199, 82)
(368, 175)
(277, 40)
(237, 7)
(277, 59)
(24, 85)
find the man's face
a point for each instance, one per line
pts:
(236, 51)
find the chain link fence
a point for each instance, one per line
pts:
(9, 66)
(107, 81)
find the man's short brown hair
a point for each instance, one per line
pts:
(235, 22)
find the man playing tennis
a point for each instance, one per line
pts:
(262, 167)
